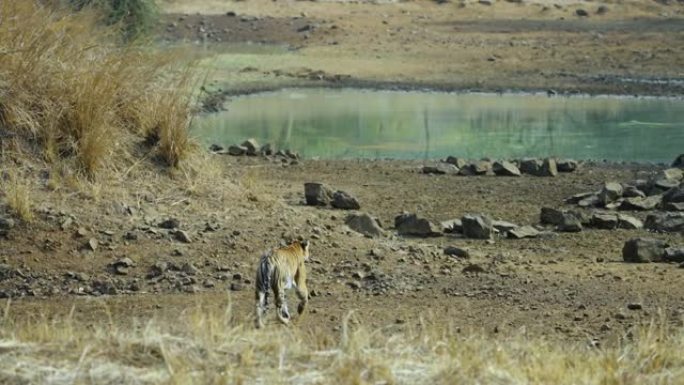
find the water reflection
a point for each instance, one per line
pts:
(381, 124)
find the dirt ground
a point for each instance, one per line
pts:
(628, 47)
(571, 285)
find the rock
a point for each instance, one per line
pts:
(665, 222)
(216, 148)
(581, 12)
(634, 306)
(610, 192)
(477, 226)
(410, 224)
(504, 226)
(551, 216)
(671, 174)
(642, 204)
(92, 244)
(251, 147)
(473, 269)
(632, 192)
(440, 169)
(505, 168)
(548, 168)
(365, 224)
(189, 268)
(567, 165)
(236, 286)
(590, 201)
(452, 226)
(607, 221)
(158, 269)
(458, 162)
(679, 161)
(673, 206)
(674, 254)
(81, 232)
(6, 224)
(237, 150)
(122, 265)
(457, 252)
(642, 250)
(629, 222)
(674, 195)
(523, 232)
(266, 149)
(182, 236)
(317, 194)
(486, 2)
(581, 196)
(602, 10)
(354, 285)
(531, 166)
(171, 223)
(344, 201)
(571, 223)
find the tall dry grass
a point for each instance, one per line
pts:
(205, 345)
(71, 93)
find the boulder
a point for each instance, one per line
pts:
(458, 252)
(478, 226)
(551, 216)
(317, 194)
(674, 254)
(629, 222)
(237, 150)
(440, 169)
(504, 226)
(217, 148)
(452, 226)
(665, 222)
(571, 223)
(505, 168)
(251, 147)
(607, 221)
(6, 224)
(679, 161)
(673, 206)
(548, 168)
(643, 250)
(410, 224)
(481, 167)
(590, 201)
(610, 192)
(365, 224)
(581, 196)
(632, 192)
(674, 195)
(567, 165)
(458, 162)
(523, 232)
(641, 204)
(344, 201)
(530, 166)
(672, 174)
(581, 12)
(266, 149)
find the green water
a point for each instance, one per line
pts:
(334, 124)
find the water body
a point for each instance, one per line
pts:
(343, 124)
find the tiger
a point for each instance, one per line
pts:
(279, 269)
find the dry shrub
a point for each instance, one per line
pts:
(70, 91)
(17, 191)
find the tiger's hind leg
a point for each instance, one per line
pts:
(260, 309)
(281, 305)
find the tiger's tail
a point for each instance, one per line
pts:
(263, 280)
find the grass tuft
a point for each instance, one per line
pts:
(17, 191)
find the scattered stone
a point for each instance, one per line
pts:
(452, 226)
(237, 150)
(602, 10)
(551, 216)
(607, 221)
(365, 224)
(171, 223)
(182, 236)
(674, 206)
(251, 147)
(674, 195)
(131, 236)
(458, 162)
(92, 244)
(567, 165)
(122, 265)
(457, 252)
(505, 168)
(317, 194)
(6, 224)
(548, 168)
(354, 285)
(158, 269)
(674, 254)
(481, 167)
(632, 192)
(503, 226)
(236, 286)
(473, 269)
(634, 306)
(189, 269)
(571, 223)
(629, 222)
(216, 148)
(641, 204)
(266, 149)
(665, 222)
(523, 232)
(410, 224)
(671, 174)
(531, 166)
(610, 192)
(679, 161)
(590, 201)
(581, 12)
(643, 250)
(477, 226)
(209, 283)
(440, 169)
(81, 232)
(579, 197)
(344, 201)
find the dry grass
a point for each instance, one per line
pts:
(207, 346)
(17, 194)
(71, 94)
